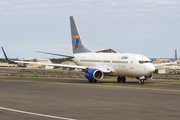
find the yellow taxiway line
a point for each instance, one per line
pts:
(100, 85)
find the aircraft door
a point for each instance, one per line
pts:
(132, 64)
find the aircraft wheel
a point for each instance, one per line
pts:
(119, 79)
(95, 81)
(141, 82)
(123, 79)
(90, 81)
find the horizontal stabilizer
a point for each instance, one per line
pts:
(56, 54)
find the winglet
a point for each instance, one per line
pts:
(5, 54)
(176, 56)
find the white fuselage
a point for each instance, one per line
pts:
(121, 64)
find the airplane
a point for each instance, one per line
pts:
(98, 65)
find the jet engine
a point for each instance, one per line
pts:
(94, 74)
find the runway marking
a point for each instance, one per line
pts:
(95, 85)
(37, 114)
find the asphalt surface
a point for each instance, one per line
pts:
(50, 99)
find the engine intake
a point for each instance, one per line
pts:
(94, 74)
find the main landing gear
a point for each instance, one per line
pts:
(121, 79)
(92, 81)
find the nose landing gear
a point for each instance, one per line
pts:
(141, 79)
(141, 82)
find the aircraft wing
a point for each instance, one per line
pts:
(105, 70)
(163, 64)
(169, 63)
(53, 64)
(5, 54)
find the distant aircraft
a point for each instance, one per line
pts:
(98, 65)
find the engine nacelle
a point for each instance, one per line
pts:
(146, 77)
(94, 74)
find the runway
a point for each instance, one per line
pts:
(76, 99)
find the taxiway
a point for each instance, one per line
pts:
(49, 99)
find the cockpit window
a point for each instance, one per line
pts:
(141, 61)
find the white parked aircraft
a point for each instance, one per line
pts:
(97, 65)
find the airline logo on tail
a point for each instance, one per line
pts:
(77, 41)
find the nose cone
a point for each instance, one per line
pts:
(150, 68)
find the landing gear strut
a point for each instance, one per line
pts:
(121, 79)
(141, 82)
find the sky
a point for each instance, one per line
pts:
(147, 27)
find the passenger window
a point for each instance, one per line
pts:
(141, 62)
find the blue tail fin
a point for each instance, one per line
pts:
(77, 44)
